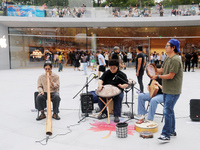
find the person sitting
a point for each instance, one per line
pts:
(42, 96)
(109, 77)
(142, 97)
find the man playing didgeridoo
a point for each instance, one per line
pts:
(54, 88)
(172, 77)
(116, 78)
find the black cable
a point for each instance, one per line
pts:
(47, 137)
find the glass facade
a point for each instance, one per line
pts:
(28, 45)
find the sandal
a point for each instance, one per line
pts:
(55, 116)
(42, 116)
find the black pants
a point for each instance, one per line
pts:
(187, 63)
(140, 77)
(41, 101)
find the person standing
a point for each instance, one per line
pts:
(45, 9)
(194, 60)
(55, 59)
(172, 79)
(140, 63)
(4, 5)
(162, 57)
(60, 66)
(92, 61)
(129, 57)
(102, 63)
(84, 60)
(106, 55)
(117, 55)
(188, 57)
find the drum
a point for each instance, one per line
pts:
(153, 89)
(147, 126)
(151, 70)
(108, 91)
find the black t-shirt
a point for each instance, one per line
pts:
(115, 56)
(140, 55)
(79, 15)
(195, 57)
(108, 78)
(160, 82)
(188, 57)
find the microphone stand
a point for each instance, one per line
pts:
(85, 86)
(131, 116)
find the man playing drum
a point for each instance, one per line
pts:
(54, 88)
(154, 101)
(114, 77)
(172, 79)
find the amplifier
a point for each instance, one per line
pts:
(195, 109)
(87, 102)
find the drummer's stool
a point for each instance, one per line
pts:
(109, 105)
(161, 114)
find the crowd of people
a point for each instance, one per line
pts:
(190, 60)
(192, 10)
(78, 59)
(76, 12)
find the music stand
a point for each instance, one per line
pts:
(85, 86)
(126, 102)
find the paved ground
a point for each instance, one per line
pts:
(20, 130)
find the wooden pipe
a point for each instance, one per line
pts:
(49, 115)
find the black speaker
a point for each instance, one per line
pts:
(195, 109)
(86, 102)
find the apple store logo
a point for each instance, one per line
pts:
(3, 42)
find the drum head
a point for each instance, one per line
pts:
(108, 91)
(151, 70)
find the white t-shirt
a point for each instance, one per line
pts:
(163, 57)
(129, 56)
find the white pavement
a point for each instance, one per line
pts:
(19, 129)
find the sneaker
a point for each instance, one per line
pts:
(163, 139)
(102, 116)
(116, 120)
(97, 109)
(42, 116)
(55, 116)
(173, 134)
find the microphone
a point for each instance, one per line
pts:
(114, 77)
(95, 76)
